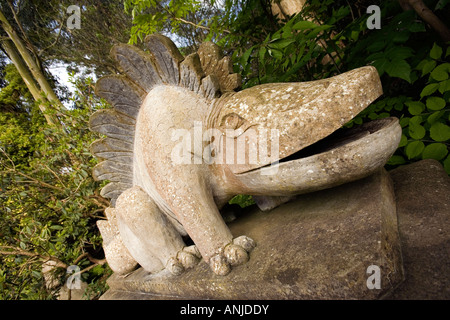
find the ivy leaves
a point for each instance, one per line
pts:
(426, 134)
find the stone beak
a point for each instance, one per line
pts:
(294, 115)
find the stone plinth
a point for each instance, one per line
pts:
(318, 246)
(422, 191)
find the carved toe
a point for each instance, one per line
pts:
(245, 242)
(188, 260)
(174, 266)
(235, 254)
(193, 250)
(219, 265)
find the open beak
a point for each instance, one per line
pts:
(310, 153)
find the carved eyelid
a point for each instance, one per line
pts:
(231, 121)
(234, 122)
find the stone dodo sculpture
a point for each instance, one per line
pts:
(163, 189)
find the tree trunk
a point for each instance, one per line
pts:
(27, 78)
(31, 64)
(428, 16)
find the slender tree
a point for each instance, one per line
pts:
(28, 68)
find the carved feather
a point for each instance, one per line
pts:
(137, 65)
(167, 57)
(125, 96)
(191, 73)
(113, 190)
(112, 149)
(110, 123)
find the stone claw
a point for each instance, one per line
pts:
(245, 242)
(235, 254)
(189, 257)
(174, 266)
(219, 265)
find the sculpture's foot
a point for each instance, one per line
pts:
(234, 254)
(187, 258)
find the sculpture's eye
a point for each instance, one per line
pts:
(232, 121)
(234, 125)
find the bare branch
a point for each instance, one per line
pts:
(10, 250)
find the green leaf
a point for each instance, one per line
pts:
(429, 89)
(435, 103)
(436, 52)
(415, 107)
(444, 86)
(281, 43)
(440, 73)
(440, 132)
(399, 68)
(262, 54)
(447, 165)
(416, 120)
(376, 46)
(381, 64)
(401, 37)
(303, 25)
(396, 160)
(277, 54)
(246, 55)
(428, 66)
(399, 53)
(404, 122)
(403, 141)
(436, 151)
(416, 131)
(441, 4)
(414, 149)
(417, 27)
(435, 116)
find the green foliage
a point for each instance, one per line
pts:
(164, 12)
(242, 200)
(414, 69)
(49, 202)
(15, 95)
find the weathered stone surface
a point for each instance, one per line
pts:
(137, 223)
(73, 294)
(221, 67)
(118, 257)
(422, 191)
(316, 247)
(210, 87)
(113, 171)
